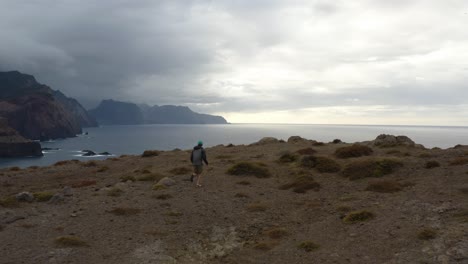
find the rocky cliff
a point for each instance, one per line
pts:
(77, 110)
(110, 112)
(36, 111)
(14, 145)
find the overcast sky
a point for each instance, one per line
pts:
(268, 61)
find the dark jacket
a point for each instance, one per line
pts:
(198, 156)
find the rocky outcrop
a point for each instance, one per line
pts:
(35, 110)
(110, 112)
(14, 145)
(384, 140)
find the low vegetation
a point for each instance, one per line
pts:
(432, 164)
(127, 178)
(326, 165)
(358, 216)
(308, 246)
(301, 184)
(459, 161)
(241, 195)
(90, 163)
(150, 177)
(288, 157)
(15, 168)
(43, 196)
(180, 171)
(371, 168)
(308, 161)
(125, 211)
(256, 207)
(276, 233)
(158, 187)
(264, 246)
(150, 153)
(249, 169)
(427, 234)
(384, 186)
(245, 183)
(70, 241)
(306, 151)
(9, 202)
(356, 150)
(61, 163)
(103, 169)
(114, 192)
(83, 183)
(163, 196)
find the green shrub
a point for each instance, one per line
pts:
(150, 153)
(70, 241)
(301, 184)
(432, 164)
(43, 196)
(324, 165)
(384, 187)
(288, 158)
(353, 151)
(308, 246)
(249, 169)
(370, 168)
(358, 216)
(427, 234)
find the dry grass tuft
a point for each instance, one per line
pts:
(103, 169)
(245, 183)
(353, 151)
(150, 153)
(427, 234)
(288, 157)
(9, 202)
(256, 207)
(158, 187)
(326, 165)
(277, 233)
(432, 164)
(306, 151)
(90, 163)
(83, 183)
(150, 177)
(358, 216)
(163, 196)
(174, 213)
(249, 169)
(384, 186)
(180, 171)
(43, 196)
(301, 184)
(308, 246)
(308, 161)
(62, 162)
(127, 178)
(241, 195)
(371, 168)
(70, 241)
(459, 161)
(15, 169)
(125, 211)
(264, 246)
(114, 192)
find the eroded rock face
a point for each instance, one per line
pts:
(14, 145)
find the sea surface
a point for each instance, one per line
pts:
(134, 139)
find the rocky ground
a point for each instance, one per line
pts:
(300, 201)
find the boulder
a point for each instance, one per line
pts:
(89, 153)
(266, 140)
(105, 153)
(25, 197)
(67, 191)
(57, 198)
(296, 139)
(166, 181)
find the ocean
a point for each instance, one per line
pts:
(134, 139)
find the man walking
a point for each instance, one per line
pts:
(197, 158)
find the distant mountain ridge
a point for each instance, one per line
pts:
(36, 111)
(110, 112)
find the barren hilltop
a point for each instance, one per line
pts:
(388, 200)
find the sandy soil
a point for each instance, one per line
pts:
(235, 218)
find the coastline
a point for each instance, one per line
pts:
(298, 211)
